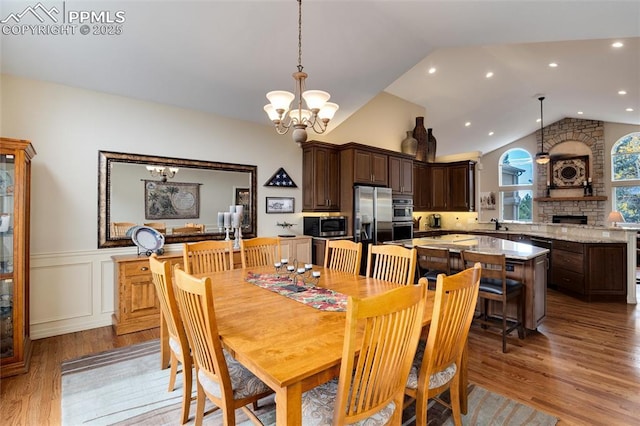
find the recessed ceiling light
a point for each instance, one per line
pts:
(553, 65)
(490, 133)
(629, 109)
(580, 112)
(489, 74)
(537, 120)
(617, 44)
(622, 92)
(467, 124)
(432, 70)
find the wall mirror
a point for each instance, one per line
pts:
(140, 189)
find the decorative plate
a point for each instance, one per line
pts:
(147, 239)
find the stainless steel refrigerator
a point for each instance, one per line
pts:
(372, 215)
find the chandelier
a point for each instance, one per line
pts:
(318, 112)
(542, 157)
(162, 172)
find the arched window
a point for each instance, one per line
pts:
(515, 178)
(625, 176)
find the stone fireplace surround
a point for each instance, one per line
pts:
(590, 133)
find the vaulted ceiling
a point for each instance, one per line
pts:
(223, 56)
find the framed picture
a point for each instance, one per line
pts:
(171, 200)
(570, 172)
(280, 204)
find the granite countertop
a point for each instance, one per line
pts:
(569, 236)
(477, 243)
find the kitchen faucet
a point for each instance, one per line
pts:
(498, 226)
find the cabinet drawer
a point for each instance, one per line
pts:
(569, 280)
(568, 246)
(137, 268)
(568, 260)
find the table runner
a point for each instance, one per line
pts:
(319, 298)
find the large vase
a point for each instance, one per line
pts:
(431, 147)
(409, 144)
(420, 133)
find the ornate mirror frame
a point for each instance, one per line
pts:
(106, 161)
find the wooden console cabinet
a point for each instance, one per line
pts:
(297, 248)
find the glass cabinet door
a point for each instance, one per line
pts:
(7, 177)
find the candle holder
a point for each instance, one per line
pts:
(227, 229)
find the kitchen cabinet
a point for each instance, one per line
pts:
(15, 193)
(401, 175)
(422, 187)
(297, 248)
(365, 167)
(321, 178)
(452, 186)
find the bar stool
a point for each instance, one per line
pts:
(433, 262)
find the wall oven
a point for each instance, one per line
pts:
(402, 209)
(402, 230)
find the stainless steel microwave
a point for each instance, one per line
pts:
(325, 226)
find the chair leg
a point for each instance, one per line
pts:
(200, 400)
(454, 392)
(521, 330)
(173, 372)
(504, 326)
(187, 377)
(421, 409)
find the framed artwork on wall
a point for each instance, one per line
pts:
(280, 204)
(571, 172)
(171, 200)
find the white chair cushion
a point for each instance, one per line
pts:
(243, 381)
(174, 345)
(437, 379)
(318, 404)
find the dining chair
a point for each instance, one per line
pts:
(184, 230)
(380, 340)
(392, 263)
(158, 226)
(343, 255)
(260, 251)
(208, 256)
(219, 377)
(495, 286)
(178, 343)
(437, 365)
(119, 229)
(433, 262)
(198, 226)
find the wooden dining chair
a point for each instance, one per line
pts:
(260, 251)
(219, 377)
(198, 226)
(184, 230)
(495, 286)
(208, 256)
(438, 362)
(119, 229)
(374, 366)
(433, 262)
(392, 263)
(178, 343)
(343, 255)
(158, 226)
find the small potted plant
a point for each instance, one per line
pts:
(286, 226)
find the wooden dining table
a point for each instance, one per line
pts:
(289, 345)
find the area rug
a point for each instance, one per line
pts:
(126, 386)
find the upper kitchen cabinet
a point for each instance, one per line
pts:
(401, 175)
(422, 186)
(462, 191)
(445, 186)
(321, 177)
(363, 166)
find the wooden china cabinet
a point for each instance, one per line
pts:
(15, 183)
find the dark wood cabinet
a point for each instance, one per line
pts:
(421, 187)
(321, 178)
(461, 191)
(451, 186)
(439, 187)
(401, 175)
(369, 167)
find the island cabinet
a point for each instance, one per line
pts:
(421, 186)
(365, 167)
(297, 248)
(320, 178)
(591, 271)
(401, 175)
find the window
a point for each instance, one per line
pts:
(625, 176)
(515, 174)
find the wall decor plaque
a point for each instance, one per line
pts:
(171, 200)
(570, 172)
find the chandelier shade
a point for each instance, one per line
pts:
(318, 111)
(542, 157)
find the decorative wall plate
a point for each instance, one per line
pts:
(570, 172)
(147, 239)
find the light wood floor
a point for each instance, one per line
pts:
(583, 365)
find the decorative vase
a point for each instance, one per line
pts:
(409, 144)
(420, 134)
(431, 147)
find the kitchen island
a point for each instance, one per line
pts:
(525, 263)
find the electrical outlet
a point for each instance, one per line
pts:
(563, 230)
(605, 233)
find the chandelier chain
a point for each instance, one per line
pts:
(299, 35)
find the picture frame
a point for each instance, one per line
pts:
(280, 204)
(569, 172)
(171, 200)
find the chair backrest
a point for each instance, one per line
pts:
(260, 251)
(208, 256)
(430, 259)
(199, 226)
(158, 226)
(453, 308)
(184, 230)
(119, 229)
(343, 255)
(494, 266)
(195, 300)
(374, 372)
(161, 277)
(392, 263)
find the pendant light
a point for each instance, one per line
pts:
(542, 157)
